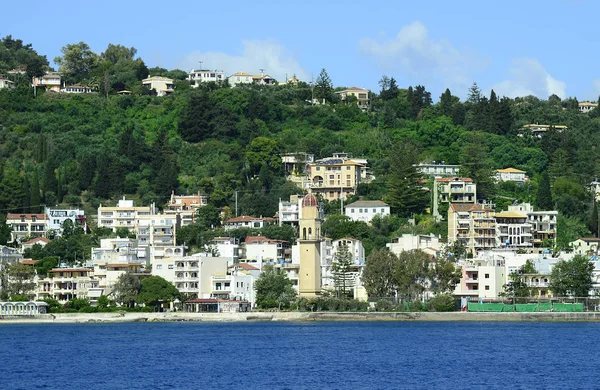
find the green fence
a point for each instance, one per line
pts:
(525, 307)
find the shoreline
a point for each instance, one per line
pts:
(81, 318)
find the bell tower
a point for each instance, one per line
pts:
(310, 248)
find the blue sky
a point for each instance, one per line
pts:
(515, 47)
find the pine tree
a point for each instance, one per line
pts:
(342, 274)
(405, 193)
(593, 225)
(474, 95)
(544, 194)
(323, 86)
(87, 171)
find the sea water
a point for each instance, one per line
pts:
(306, 355)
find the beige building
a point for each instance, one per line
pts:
(309, 246)
(162, 85)
(334, 178)
(452, 190)
(240, 78)
(585, 246)
(472, 224)
(64, 284)
(6, 83)
(481, 279)
(26, 225)
(538, 131)
(124, 215)
(511, 174)
(185, 207)
(361, 95)
(51, 81)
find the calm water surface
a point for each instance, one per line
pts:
(321, 355)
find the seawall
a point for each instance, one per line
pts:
(302, 316)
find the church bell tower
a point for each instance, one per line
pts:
(310, 248)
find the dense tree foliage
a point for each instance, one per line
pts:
(572, 278)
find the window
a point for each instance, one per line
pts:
(374, 210)
(318, 168)
(348, 177)
(159, 266)
(332, 176)
(360, 210)
(56, 222)
(256, 224)
(170, 266)
(352, 211)
(487, 276)
(383, 210)
(347, 168)
(487, 288)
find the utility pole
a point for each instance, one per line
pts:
(342, 199)
(236, 209)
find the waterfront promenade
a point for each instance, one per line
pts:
(301, 316)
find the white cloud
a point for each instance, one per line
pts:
(256, 54)
(423, 58)
(528, 77)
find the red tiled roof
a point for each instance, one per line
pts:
(29, 262)
(37, 239)
(463, 207)
(246, 218)
(27, 216)
(590, 239)
(449, 179)
(246, 266)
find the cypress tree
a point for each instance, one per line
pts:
(26, 192)
(593, 225)
(50, 181)
(34, 194)
(544, 194)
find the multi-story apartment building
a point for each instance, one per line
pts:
(511, 174)
(157, 230)
(428, 243)
(473, 225)
(185, 207)
(191, 274)
(543, 223)
(361, 95)
(290, 212)
(481, 278)
(236, 284)
(513, 230)
(198, 76)
(452, 190)
(438, 170)
(57, 217)
(124, 215)
(64, 284)
(335, 178)
(228, 247)
(26, 225)
(162, 85)
(267, 251)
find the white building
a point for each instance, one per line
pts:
(57, 217)
(587, 106)
(76, 88)
(198, 76)
(481, 278)
(236, 284)
(162, 85)
(247, 221)
(290, 212)
(453, 190)
(428, 243)
(365, 210)
(438, 170)
(64, 284)
(261, 250)
(240, 78)
(511, 174)
(228, 247)
(26, 225)
(513, 230)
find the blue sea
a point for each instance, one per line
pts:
(317, 355)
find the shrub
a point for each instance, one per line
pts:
(383, 304)
(442, 302)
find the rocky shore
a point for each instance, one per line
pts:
(299, 317)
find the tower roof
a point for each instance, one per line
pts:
(309, 200)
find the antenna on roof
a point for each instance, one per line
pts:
(201, 62)
(262, 71)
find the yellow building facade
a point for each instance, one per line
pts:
(310, 243)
